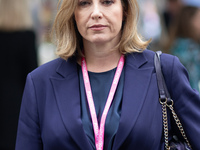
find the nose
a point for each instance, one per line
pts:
(96, 12)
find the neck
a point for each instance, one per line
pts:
(101, 58)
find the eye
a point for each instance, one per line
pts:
(106, 2)
(84, 3)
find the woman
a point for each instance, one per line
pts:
(185, 38)
(18, 58)
(62, 104)
(185, 42)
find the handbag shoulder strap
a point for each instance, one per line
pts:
(163, 91)
(166, 101)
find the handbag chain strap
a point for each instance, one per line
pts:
(166, 101)
(178, 123)
(165, 123)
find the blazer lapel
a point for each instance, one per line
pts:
(137, 80)
(67, 94)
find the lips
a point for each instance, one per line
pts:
(97, 27)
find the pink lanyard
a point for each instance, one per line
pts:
(99, 132)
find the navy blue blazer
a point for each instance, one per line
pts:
(50, 117)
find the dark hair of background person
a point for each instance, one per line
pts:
(183, 26)
(18, 57)
(171, 13)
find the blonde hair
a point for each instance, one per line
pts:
(14, 15)
(69, 41)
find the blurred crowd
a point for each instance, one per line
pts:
(174, 26)
(25, 43)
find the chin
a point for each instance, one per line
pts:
(99, 40)
(104, 39)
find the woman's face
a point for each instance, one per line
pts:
(99, 21)
(196, 23)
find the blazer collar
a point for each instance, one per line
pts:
(136, 60)
(132, 59)
(67, 67)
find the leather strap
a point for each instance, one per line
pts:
(163, 92)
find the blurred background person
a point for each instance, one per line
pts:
(171, 13)
(46, 49)
(184, 41)
(18, 57)
(43, 13)
(149, 22)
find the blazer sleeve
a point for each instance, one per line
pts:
(28, 135)
(186, 100)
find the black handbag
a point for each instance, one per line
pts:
(167, 104)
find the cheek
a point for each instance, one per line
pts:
(77, 18)
(196, 22)
(119, 19)
(119, 14)
(197, 26)
(79, 22)
(78, 15)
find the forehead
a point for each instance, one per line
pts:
(91, 0)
